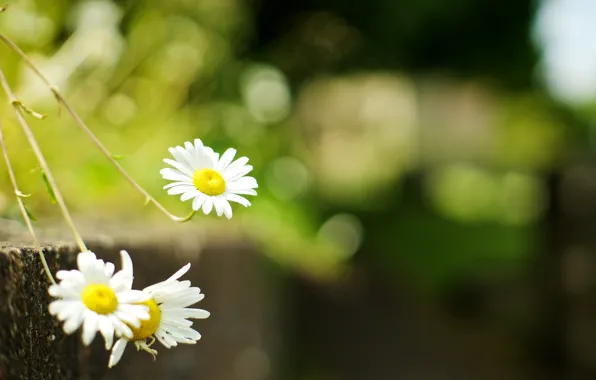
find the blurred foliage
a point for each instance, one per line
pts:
(334, 102)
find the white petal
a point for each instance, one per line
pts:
(172, 279)
(237, 198)
(199, 153)
(165, 339)
(95, 273)
(227, 209)
(85, 260)
(179, 156)
(189, 195)
(181, 272)
(198, 201)
(65, 290)
(107, 330)
(185, 335)
(64, 309)
(207, 205)
(175, 175)
(55, 290)
(199, 145)
(189, 159)
(242, 183)
(173, 184)
(232, 175)
(89, 327)
(186, 299)
(226, 159)
(242, 191)
(190, 148)
(218, 205)
(122, 330)
(239, 163)
(74, 322)
(170, 321)
(109, 269)
(71, 275)
(129, 319)
(56, 306)
(137, 311)
(117, 352)
(185, 169)
(127, 266)
(121, 282)
(211, 156)
(132, 296)
(181, 189)
(189, 313)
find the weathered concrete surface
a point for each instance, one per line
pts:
(32, 345)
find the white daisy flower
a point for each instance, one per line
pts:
(98, 299)
(168, 308)
(210, 181)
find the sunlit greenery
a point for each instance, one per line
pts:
(330, 150)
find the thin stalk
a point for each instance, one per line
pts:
(81, 124)
(43, 163)
(19, 195)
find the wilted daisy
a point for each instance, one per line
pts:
(169, 324)
(98, 299)
(210, 181)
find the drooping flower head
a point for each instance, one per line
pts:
(169, 322)
(98, 299)
(210, 181)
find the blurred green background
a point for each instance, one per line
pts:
(412, 142)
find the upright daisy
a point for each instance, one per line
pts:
(98, 299)
(168, 308)
(210, 181)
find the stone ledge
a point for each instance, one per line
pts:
(33, 346)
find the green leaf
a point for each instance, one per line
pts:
(49, 188)
(29, 214)
(117, 157)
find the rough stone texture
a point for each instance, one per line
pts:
(32, 345)
(237, 339)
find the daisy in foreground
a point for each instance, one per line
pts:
(210, 181)
(98, 299)
(168, 308)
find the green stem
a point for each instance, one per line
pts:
(81, 124)
(43, 163)
(18, 193)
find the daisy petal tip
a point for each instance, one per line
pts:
(54, 290)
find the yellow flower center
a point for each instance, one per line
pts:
(100, 298)
(148, 326)
(209, 182)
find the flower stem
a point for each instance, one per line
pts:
(81, 124)
(18, 194)
(44, 165)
